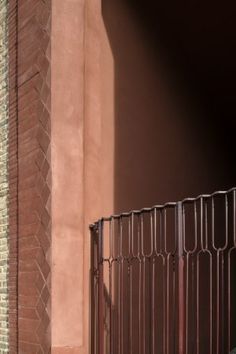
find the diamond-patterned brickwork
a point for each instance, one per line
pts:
(33, 174)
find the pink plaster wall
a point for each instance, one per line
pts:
(67, 174)
(99, 134)
(82, 160)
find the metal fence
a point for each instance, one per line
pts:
(162, 278)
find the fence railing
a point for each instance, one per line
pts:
(163, 278)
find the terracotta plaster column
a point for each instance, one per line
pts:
(82, 160)
(67, 175)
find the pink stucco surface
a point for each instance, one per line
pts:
(67, 172)
(82, 160)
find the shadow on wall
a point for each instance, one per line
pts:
(175, 99)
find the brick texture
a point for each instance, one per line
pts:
(4, 112)
(13, 177)
(30, 182)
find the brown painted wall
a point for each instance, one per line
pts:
(172, 134)
(155, 127)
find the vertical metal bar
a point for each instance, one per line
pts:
(173, 305)
(187, 283)
(168, 306)
(110, 307)
(152, 317)
(198, 308)
(164, 281)
(129, 295)
(144, 305)
(222, 321)
(187, 305)
(140, 307)
(100, 290)
(198, 272)
(218, 304)
(223, 275)
(143, 263)
(167, 286)
(181, 277)
(139, 289)
(119, 292)
(201, 224)
(121, 287)
(194, 282)
(229, 269)
(111, 282)
(118, 309)
(131, 284)
(131, 310)
(211, 305)
(229, 301)
(164, 305)
(92, 293)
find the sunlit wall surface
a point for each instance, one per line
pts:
(3, 177)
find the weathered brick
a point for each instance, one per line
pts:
(4, 188)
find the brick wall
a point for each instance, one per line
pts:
(29, 176)
(33, 86)
(4, 253)
(13, 178)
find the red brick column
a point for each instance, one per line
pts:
(13, 179)
(30, 174)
